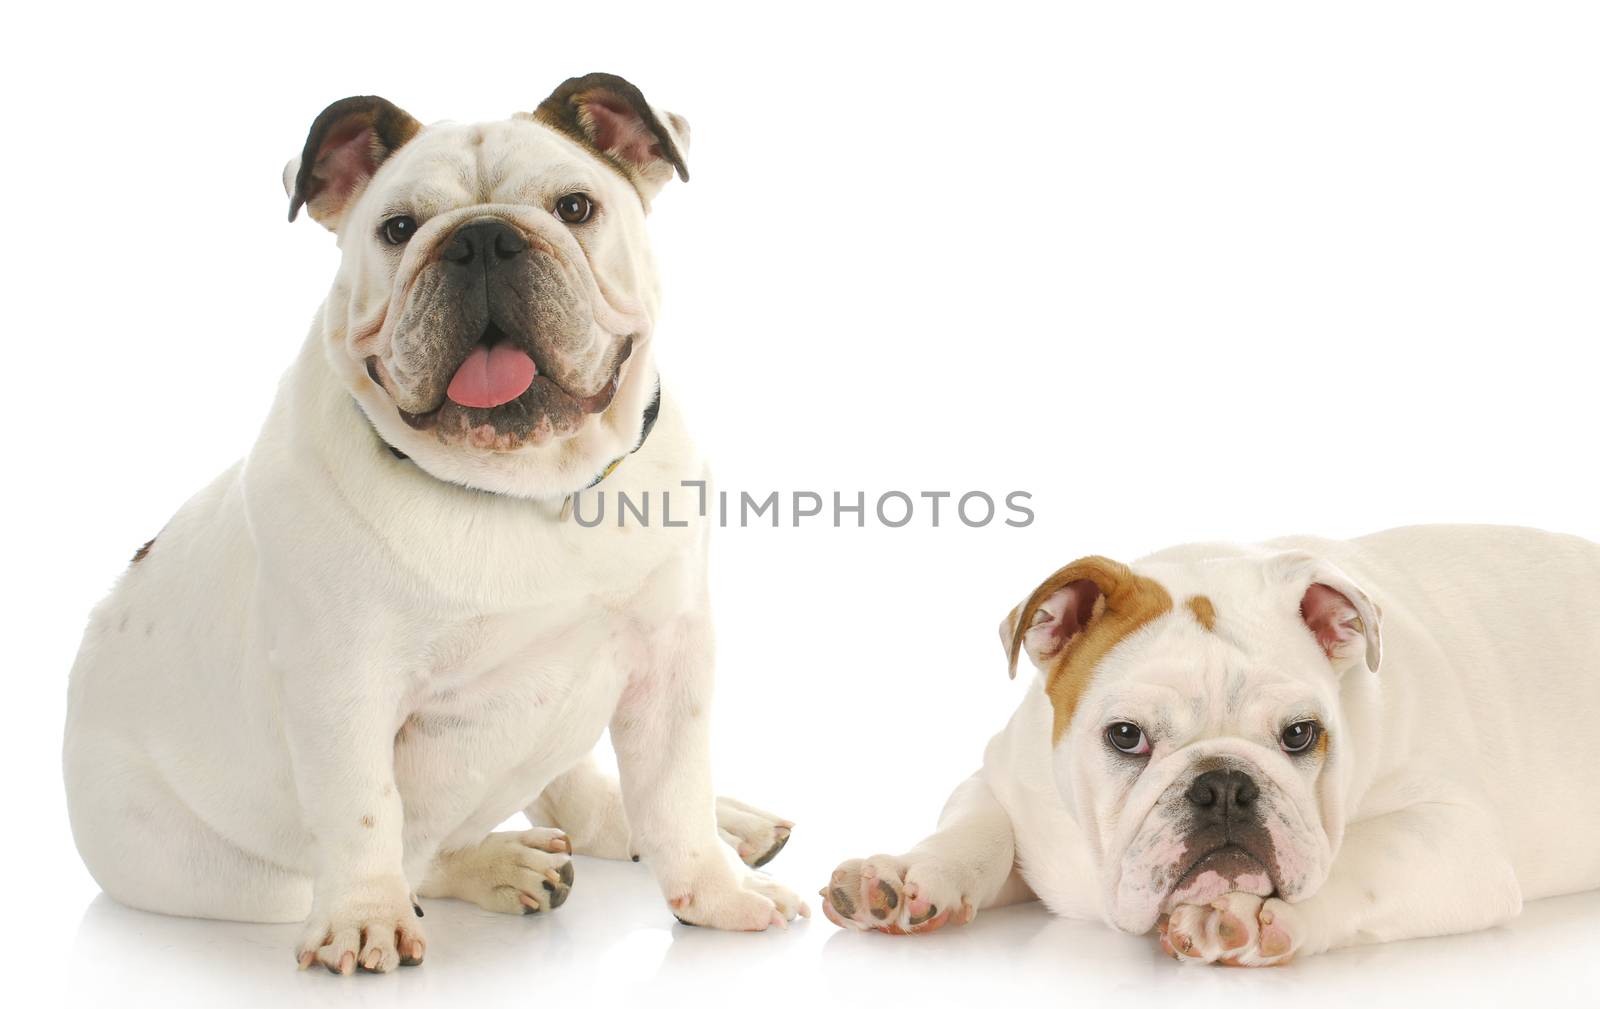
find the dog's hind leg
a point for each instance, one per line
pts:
(148, 850)
(967, 864)
(586, 803)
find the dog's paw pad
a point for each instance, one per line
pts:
(895, 896)
(1236, 929)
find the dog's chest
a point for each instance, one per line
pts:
(502, 704)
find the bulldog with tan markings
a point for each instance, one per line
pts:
(339, 667)
(1259, 752)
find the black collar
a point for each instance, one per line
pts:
(651, 412)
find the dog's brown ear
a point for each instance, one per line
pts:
(1062, 608)
(346, 145)
(1073, 619)
(611, 117)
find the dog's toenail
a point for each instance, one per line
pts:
(772, 852)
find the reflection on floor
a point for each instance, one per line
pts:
(615, 940)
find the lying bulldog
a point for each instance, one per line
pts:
(340, 666)
(1278, 750)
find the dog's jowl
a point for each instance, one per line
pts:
(359, 650)
(1268, 751)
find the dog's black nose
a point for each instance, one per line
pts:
(1223, 793)
(486, 242)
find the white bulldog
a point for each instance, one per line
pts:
(1211, 749)
(340, 666)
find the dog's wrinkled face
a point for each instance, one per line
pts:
(1197, 722)
(496, 294)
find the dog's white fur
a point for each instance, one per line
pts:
(337, 671)
(1459, 781)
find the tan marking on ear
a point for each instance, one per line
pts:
(1203, 611)
(1127, 602)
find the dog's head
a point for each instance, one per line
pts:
(496, 294)
(1198, 736)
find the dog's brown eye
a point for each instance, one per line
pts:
(1125, 737)
(1299, 737)
(574, 208)
(398, 230)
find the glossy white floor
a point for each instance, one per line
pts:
(615, 943)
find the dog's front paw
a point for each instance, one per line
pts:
(514, 872)
(756, 835)
(371, 924)
(742, 902)
(1236, 929)
(897, 895)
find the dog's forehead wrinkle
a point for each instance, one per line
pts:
(449, 166)
(1231, 690)
(432, 183)
(1195, 689)
(486, 167)
(539, 185)
(1237, 684)
(505, 162)
(1151, 705)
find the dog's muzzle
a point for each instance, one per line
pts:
(497, 344)
(1227, 846)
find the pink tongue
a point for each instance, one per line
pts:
(491, 376)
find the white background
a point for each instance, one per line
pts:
(1181, 271)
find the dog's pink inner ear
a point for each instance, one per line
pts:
(620, 131)
(344, 163)
(1333, 621)
(1059, 618)
(344, 148)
